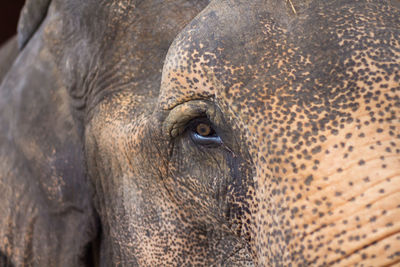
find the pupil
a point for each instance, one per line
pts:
(203, 129)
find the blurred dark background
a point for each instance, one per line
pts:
(9, 13)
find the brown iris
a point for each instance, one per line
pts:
(203, 129)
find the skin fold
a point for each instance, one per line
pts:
(201, 133)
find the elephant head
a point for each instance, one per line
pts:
(196, 133)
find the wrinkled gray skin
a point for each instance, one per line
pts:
(101, 163)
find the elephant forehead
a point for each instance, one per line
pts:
(325, 63)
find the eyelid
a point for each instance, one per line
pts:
(177, 119)
(206, 141)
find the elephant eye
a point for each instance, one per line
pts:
(204, 130)
(203, 133)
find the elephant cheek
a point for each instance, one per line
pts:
(140, 224)
(344, 211)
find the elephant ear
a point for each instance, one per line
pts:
(46, 214)
(32, 16)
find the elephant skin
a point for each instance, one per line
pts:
(201, 133)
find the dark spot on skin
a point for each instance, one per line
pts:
(316, 150)
(308, 180)
(294, 210)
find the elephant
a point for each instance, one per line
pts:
(201, 133)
